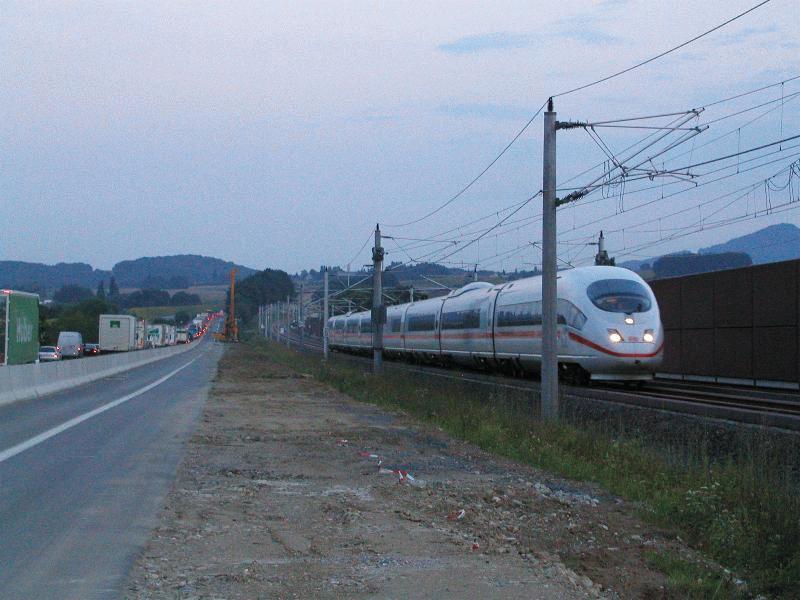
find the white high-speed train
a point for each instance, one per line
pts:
(609, 326)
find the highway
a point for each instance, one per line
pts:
(83, 474)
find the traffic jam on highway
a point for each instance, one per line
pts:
(20, 343)
(124, 333)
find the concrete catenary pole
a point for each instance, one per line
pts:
(288, 321)
(549, 389)
(377, 303)
(325, 331)
(301, 317)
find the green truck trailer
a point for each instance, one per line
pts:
(19, 327)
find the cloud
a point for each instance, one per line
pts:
(588, 36)
(501, 40)
(745, 34)
(486, 111)
(504, 40)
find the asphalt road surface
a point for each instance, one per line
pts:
(84, 472)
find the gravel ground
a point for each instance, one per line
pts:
(289, 489)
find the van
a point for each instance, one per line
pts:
(71, 344)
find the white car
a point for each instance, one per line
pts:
(49, 353)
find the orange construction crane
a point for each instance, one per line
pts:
(231, 333)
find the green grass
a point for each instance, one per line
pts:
(155, 312)
(743, 513)
(691, 580)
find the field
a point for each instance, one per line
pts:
(159, 312)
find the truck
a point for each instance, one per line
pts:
(19, 327)
(141, 334)
(117, 333)
(182, 336)
(170, 335)
(155, 336)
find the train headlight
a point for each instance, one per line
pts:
(629, 320)
(648, 336)
(614, 336)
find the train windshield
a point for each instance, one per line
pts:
(619, 295)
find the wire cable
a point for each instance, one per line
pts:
(665, 53)
(477, 177)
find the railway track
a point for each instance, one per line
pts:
(716, 401)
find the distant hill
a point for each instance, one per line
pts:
(39, 277)
(173, 272)
(676, 265)
(771, 244)
(184, 269)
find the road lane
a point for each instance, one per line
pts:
(76, 508)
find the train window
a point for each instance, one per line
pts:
(619, 295)
(422, 322)
(366, 325)
(516, 315)
(462, 319)
(394, 324)
(569, 314)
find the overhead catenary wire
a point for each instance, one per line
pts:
(662, 54)
(456, 196)
(680, 114)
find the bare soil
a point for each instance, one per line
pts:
(289, 489)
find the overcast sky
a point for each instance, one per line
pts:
(278, 133)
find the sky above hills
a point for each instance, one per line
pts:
(277, 134)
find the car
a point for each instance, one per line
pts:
(91, 349)
(49, 353)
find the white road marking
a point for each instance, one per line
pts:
(38, 439)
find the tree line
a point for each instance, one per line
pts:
(74, 294)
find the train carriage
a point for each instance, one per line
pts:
(466, 324)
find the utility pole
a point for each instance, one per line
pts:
(411, 293)
(378, 312)
(288, 321)
(549, 388)
(301, 317)
(325, 314)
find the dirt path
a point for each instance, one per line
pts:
(289, 489)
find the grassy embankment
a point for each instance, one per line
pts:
(744, 513)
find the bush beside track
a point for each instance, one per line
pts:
(739, 508)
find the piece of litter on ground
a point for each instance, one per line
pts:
(456, 515)
(475, 546)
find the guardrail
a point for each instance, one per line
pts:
(23, 382)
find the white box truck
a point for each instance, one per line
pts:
(117, 333)
(155, 336)
(170, 335)
(141, 334)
